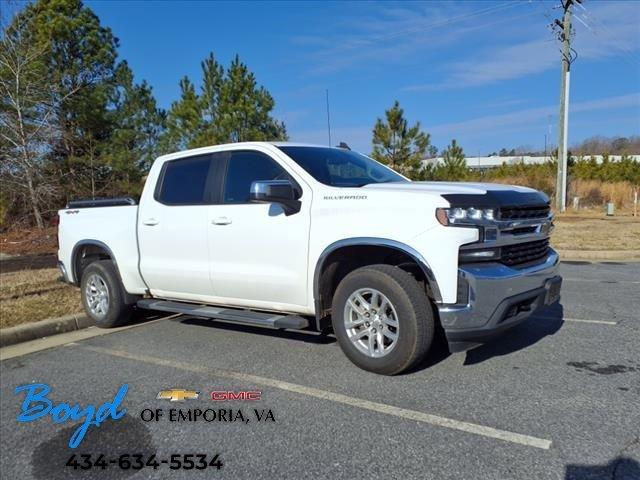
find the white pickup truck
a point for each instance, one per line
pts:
(303, 237)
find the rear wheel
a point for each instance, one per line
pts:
(103, 296)
(382, 319)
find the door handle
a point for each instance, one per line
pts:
(150, 221)
(221, 221)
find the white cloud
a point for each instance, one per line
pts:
(595, 39)
(359, 138)
(396, 34)
(491, 123)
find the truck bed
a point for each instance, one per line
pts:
(112, 226)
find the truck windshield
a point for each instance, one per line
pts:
(340, 168)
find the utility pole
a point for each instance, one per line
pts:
(564, 35)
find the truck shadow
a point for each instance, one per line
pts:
(621, 467)
(143, 316)
(542, 324)
(307, 337)
(127, 436)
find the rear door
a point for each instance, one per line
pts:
(173, 229)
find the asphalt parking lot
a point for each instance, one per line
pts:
(557, 397)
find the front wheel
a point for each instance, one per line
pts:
(382, 319)
(103, 296)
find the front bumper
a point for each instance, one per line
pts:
(495, 298)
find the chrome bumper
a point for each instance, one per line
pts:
(496, 297)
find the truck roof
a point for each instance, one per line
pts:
(238, 145)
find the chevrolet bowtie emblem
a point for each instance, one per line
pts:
(178, 395)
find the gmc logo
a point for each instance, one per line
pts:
(224, 396)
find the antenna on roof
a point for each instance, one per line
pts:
(328, 117)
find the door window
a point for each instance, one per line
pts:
(245, 168)
(184, 181)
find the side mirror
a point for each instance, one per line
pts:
(275, 191)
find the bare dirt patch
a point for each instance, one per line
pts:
(31, 241)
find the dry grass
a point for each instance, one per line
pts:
(32, 295)
(594, 193)
(595, 231)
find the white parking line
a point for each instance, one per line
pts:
(579, 320)
(595, 280)
(439, 421)
(603, 322)
(64, 339)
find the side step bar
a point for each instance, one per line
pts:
(272, 320)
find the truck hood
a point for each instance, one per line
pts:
(440, 188)
(469, 194)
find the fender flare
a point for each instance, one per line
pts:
(84, 243)
(379, 242)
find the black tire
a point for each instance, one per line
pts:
(118, 311)
(415, 318)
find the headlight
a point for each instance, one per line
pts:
(464, 216)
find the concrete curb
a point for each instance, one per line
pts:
(604, 255)
(44, 328)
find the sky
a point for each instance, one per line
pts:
(485, 73)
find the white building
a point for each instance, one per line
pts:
(496, 161)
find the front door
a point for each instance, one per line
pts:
(258, 255)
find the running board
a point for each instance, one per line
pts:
(272, 320)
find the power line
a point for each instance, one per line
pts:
(630, 58)
(440, 23)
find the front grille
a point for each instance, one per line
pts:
(521, 253)
(524, 212)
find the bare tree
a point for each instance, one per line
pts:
(28, 106)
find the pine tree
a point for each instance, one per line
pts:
(396, 144)
(81, 61)
(454, 165)
(133, 144)
(231, 107)
(184, 120)
(244, 108)
(212, 79)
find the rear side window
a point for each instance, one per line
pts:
(184, 181)
(245, 168)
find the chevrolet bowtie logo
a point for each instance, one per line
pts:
(178, 395)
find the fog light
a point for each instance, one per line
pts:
(467, 256)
